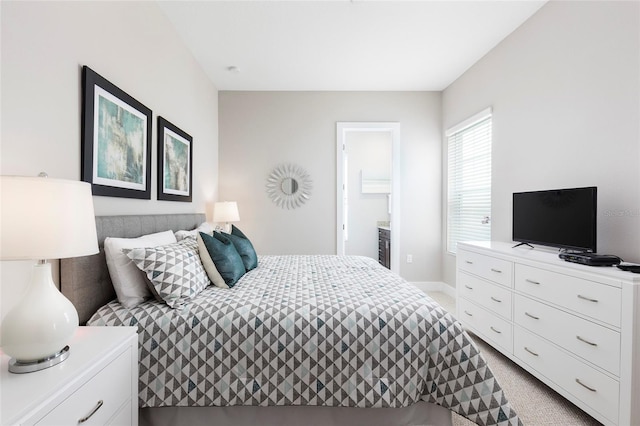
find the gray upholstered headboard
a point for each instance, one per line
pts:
(85, 281)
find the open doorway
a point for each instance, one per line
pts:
(368, 188)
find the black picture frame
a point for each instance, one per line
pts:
(116, 140)
(175, 163)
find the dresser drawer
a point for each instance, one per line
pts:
(590, 298)
(592, 342)
(495, 298)
(490, 268)
(596, 390)
(112, 386)
(489, 326)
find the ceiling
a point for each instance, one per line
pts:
(342, 45)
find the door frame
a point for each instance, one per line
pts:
(342, 128)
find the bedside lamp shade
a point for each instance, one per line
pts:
(44, 218)
(226, 212)
(40, 219)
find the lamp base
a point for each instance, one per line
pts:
(19, 367)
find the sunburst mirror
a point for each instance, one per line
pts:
(289, 186)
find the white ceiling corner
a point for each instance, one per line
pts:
(342, 45)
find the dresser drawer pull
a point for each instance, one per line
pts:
(587, 298)
(497, 271)
(532, 281)
(470, 288)
(468, 262)
(582, 339)
(97, 407)
(496, 300)
(495, 331)
(530, 351)
(531, 316)
(466, 312)
(585, 386)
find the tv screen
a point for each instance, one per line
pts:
(564, 218)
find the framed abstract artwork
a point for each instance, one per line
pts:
(175, 159)
(116, 140)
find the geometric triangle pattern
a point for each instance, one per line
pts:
(311, 330)
(175, 270)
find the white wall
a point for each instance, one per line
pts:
(132, 44)
(259, 130)
(565, 92)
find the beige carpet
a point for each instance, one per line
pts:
(535, 402)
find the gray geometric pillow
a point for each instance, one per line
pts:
(175, 270)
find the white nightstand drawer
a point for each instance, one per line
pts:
(598, 391)
(491, 268)
(488, 325)
(593, 342)
(494, 297)
(123, 417)
(107, 391)
(590, 298)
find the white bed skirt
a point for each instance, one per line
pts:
(419, 414)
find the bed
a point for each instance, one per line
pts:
(299, 339)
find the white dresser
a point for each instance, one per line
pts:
(574, 327)
(98, 382)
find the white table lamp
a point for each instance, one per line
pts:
(226, 212)
(40, 219)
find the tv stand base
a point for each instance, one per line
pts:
(522, 244)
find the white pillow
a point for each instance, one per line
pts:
(205, 227)
(130, 282)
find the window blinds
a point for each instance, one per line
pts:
(469, 181)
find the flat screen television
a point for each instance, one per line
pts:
(564, 218)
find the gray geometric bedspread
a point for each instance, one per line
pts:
(311, 330)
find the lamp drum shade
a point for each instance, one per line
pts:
(225, 211)
(45, 218)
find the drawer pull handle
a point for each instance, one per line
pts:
(531, 316)
(97, 407)
(466, 312)
(587, 298)
(496, 300)
(469, 262)
(585, 386)
(582, 339)
(498, 271)
(495, 331)
(532, 281)
(530, 351)
(470, 288)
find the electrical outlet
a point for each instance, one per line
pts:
(409, 258)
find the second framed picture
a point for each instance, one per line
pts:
(175, 159)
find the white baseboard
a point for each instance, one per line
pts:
(440, 286)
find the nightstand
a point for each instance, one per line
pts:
(99, 382)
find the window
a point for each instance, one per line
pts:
(469, 180)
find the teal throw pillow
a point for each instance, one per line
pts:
(225, 256)
(244, 247)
